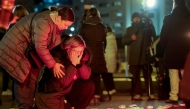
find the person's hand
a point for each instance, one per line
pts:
(75, 57)
(75, 77)
(134, 37)
(57, 70)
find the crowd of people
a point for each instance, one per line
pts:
(74, 65)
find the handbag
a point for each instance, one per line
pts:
(31, 53)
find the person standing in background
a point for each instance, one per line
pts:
(138, 43)
(18, 13)
(174, 45)
(93, 31)
(111, 62)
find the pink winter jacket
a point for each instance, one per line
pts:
(16, 40)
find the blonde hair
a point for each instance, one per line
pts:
(73, 42)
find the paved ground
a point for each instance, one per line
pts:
(122, 97)
(125, 99)
(117, 99)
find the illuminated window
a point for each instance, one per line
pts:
(119, 14)
(115, 15)
(117, 3)
(117, 25)
(49, 1)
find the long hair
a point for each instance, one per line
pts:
(73, 42)
(92, 12)
(66, 13)
(19, 11)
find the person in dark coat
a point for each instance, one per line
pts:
(75, 86)
(174, 45)
(93, 31)
(138, 42)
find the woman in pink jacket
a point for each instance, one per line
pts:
(75, 86)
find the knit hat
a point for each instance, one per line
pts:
(135, 14)
(179, 2)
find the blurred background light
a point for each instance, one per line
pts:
(72, 29)
(35, 9)
(150, 3)
(70, 34)
(57, 4)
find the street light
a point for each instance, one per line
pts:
(150, 3)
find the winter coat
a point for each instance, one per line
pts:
(174, 38)
(94, 34)
(56, 88)
(184, 83)
(17, 39)
(111, 52)
(136, 49)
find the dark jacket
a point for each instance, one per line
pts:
(137, 49)
(94, 34)
(174, 42)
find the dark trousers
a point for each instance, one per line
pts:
(108, 81)
(24, 92)
(162, 71)
(95, 77)
(81, 94)
(6, 79)
(137, 85)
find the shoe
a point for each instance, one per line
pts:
(171, 101)
(110, 92)
(137, 97)
(95, 101)
(7, 92)
(13, 105)
(151, 97)
(113, 91)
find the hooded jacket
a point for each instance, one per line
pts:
(174, 42)
(94, 34)
(16, 40)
